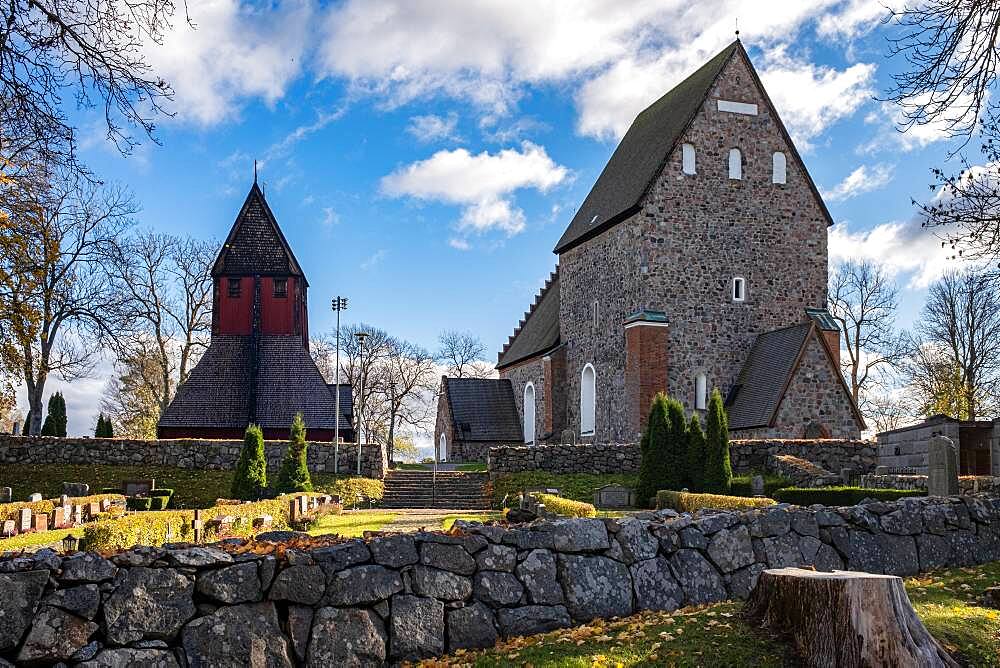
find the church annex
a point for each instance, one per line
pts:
(257, 368)
(697, 261)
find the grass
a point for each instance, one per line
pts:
(717, 635)
(742, 485)
(193, 488)
(576, 486)
(38, 539)
(352, 523)
(409, 466)
(479, 467)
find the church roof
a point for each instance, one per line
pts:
(219, 390)
(774, 358)
(538, 331)
(483, 409)
(637, 162)
(255, 244)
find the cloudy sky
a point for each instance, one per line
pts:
(424, 157)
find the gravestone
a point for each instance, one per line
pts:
(61, 518)
(757, 485)
(76, 489)
(140, 487)
(9, 528)
(40, 522)
(881, 470)
(942, 467)
(567, 437)
(24, 520)
(5, 494)
(93, 510)
(614, 496)
(263, 522)
(846, 475)
(77, 514)
(34, 497)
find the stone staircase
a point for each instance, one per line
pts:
(453, 490)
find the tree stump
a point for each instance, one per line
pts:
(844, 618)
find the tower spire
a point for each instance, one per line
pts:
(255, 171)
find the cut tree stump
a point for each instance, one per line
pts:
(844, 618)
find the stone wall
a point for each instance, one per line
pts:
(746, 456)
(907, 447)
(183, 453)
(409, 596)
(966, 484)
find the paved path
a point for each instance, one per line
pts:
(417, 518)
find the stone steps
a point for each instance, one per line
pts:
(450, 490)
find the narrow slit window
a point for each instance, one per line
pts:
(701, 392)
(687, 158)
(281, 287)
(778, 167)
(234, 287)
(588, 401)
(596, 315)
(735, 164)
(739, 289)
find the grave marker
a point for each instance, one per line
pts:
(942, 467)
(40, 522)
(24, 520)
(5, 494)
(34, 498)
(614, 496)
(138, 487)
(76, 488)
(757, 485)
(9, 528)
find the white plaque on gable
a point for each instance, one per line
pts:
(738, 107)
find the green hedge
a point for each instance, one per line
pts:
(687, 502)
(566, 507)
(10, 511)
(353, 490)
(139, 503)
(841, 496)
(576, 486)
(741, 485)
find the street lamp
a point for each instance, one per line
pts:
(361, 337)
(338, 304)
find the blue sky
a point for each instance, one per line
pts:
(424, 157)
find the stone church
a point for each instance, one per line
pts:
(697, 261)
(257, 368)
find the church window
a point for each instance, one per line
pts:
(701, 392)
(739, 289)
(687, 158)
(588, 400)
(778, 167)
(735, 164)
(234, 287)
(597, 315)
(529, 414)
(281, 287)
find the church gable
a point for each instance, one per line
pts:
(255, 244)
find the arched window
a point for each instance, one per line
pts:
(735, 164)
(687, 158)
(442, 448)
(529, 414)
(701, 392)
(588, 400)
(739, 289)
(778, 167)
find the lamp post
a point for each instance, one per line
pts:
(338, 304)
(361, 336)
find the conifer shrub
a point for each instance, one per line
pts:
(104, 427)
(696, 455)
(718, 469)
(294, 473)
(675, 464)
(55, 420)
(652, 471)
(250, 479)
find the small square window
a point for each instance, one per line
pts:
(281, 287)
(234, 287)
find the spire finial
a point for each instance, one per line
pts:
(737, 28)
(255, 171)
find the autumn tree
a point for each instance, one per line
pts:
(408, 380)
(461, 353)
(128, 399)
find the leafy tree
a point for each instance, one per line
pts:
(55, 420)
(652, 446)
(294, 473)
(251, 469)
(718, 470)
(696, 454)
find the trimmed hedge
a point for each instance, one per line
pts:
(9, 511)
(687, 502)
(139, 503)
(741, 485)
(566, 507)
(576, 486)
(352, 490)
(841, 496)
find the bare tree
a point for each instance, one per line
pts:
(461, 354)
(960, 339)
(951, 52)
(889, 410)
(408, 380)
(63, 305)
(863, 300)
(364, 371)
(191, 267)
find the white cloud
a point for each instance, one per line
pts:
(459, 244)
(855, 18)
(893, 133)
(234, 53)
(330, 217)
(431, 128)
(482, 183)
(902, 249)
(374, 260)
(862, 180)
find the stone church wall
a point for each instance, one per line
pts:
(404, 597)
(182, 453)
(520, 375)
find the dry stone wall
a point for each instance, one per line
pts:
(183, 453)
(409, 596)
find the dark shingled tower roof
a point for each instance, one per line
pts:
(483, 409)
(538, 331)
(255, 244)
(637, 162)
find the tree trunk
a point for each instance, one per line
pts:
(844, 618)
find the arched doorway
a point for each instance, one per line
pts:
(529, 414)
(443, 448)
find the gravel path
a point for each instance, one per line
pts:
(414, 520)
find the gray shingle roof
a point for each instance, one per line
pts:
(255, 244)
(217, 394)
(539, 330)
(483, 409)
(752, 402)
(643, 151)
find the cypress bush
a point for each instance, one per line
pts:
(55, 419)
(652, 448)
(675, 464)
(294, 473)
(250, 479)
(104, 428)
(695, 454)
(718, 470)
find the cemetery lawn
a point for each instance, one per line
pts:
(352, 523)
(475, 467)
(716, 635)
(193, 488)
(576, 486)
